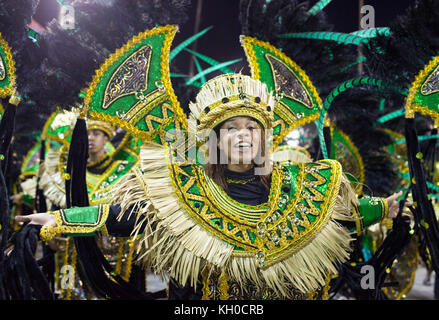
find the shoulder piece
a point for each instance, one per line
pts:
(292, 240)
(287, 152)
(99, 186)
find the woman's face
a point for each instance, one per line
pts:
(240, 139)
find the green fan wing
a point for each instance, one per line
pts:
(7, 70)
(344, 151)
(298, 102)
(132, 89)
(31, 161)
(423, 96)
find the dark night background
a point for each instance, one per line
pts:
(222, 41)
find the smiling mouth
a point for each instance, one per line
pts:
(243, 145)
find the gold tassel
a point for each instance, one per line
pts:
(65, 263)
(120, 256)
(326, 288)
(57, 284)
(206, 284)
(73, 264)
(310, 295)
(129, 260)
(224, 286)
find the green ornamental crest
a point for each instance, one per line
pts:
(31, 161)
(298, 102)
(132, 89)
(344, 151)
(423, 95)
(7, 70)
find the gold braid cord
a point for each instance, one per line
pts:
(174, 241)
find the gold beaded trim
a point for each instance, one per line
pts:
(47, 233)
(224, 286)
(206, 284)
(220, 112)
(10, 67)
(230, 180)
(81, 227)
(358, 220)
(384, 208)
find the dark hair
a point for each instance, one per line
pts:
(216, 171)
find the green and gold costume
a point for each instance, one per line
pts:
(188, 226)
(250, 244)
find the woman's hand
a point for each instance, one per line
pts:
(44, 219)
(393, 205)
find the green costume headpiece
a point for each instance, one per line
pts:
(298, 102)
(132, 89)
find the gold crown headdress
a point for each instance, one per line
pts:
(105, 127)
(68, 119)
(228, 96)
(65, 118)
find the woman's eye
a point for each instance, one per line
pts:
(231, 128)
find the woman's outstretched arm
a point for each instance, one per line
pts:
(83, 221)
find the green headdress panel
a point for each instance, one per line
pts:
(344, 150)
(132, 89)
(31, 161)
(7, 70)
(423, 95)
(61, 134)
(298, 102)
